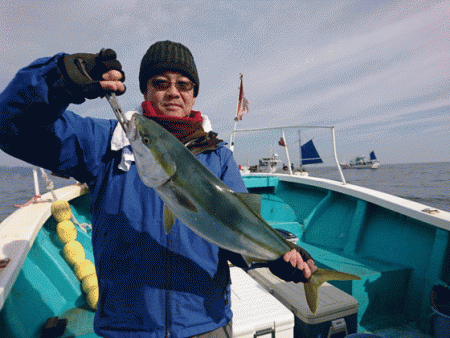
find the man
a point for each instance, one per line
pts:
(150, 284)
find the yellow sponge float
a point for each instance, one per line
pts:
(66, 231)
(92, 298)
(89, 282)
(83, 269)
(89, 285)
(74, 252)
(61, 210)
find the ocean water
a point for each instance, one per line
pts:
(427, 183)
(17, 187)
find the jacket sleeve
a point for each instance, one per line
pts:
(36, 128)
(231, 175)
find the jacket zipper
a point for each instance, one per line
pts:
(168, 285)
(100, 254)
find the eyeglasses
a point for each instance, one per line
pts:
(182, 86)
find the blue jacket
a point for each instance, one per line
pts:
(150, 283)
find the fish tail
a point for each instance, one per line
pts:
(319, 277)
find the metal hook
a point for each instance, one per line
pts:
(114, 103)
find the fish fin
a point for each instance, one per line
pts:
(169, 219)
(253, 201)
(312, 295)
(324, 275)
(319, 277)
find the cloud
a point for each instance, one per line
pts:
(351, 64)
(356, 74)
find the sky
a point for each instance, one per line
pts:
(378, 71)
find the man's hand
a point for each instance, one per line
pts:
(297, 262)
(112, 81)
(292, 268)
(89, 76)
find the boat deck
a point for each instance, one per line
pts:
(399, 252)
(408, 330)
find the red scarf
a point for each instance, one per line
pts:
(183, 128)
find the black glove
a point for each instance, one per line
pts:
(286, 271)
(83, 72)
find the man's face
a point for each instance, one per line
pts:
(171, 93)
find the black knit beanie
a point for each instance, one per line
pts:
(166, 56)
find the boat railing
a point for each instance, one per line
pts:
(37, 198)
(48, 182)
(282, 128)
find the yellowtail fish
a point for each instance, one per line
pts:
(206, 205)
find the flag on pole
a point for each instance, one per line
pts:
(281, 142)
(242, 107)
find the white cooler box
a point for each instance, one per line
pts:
(336, 311)
(256, 313)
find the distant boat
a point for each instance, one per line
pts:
(308, 155)
(266, 165)
(359, 162)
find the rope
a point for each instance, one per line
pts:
(37, 198)
(34, 199)
(50, 187)
(83, 226)
(49, 184)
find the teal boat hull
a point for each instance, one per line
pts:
(46, 286)
(399, 251)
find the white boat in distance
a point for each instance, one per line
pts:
(265, 165)
(308, 155)
(359, 162)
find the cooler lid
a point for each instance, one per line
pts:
(254, 308)
(333, 303)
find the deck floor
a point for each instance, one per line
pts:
(403, 331)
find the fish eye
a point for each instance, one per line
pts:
(146, 141)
